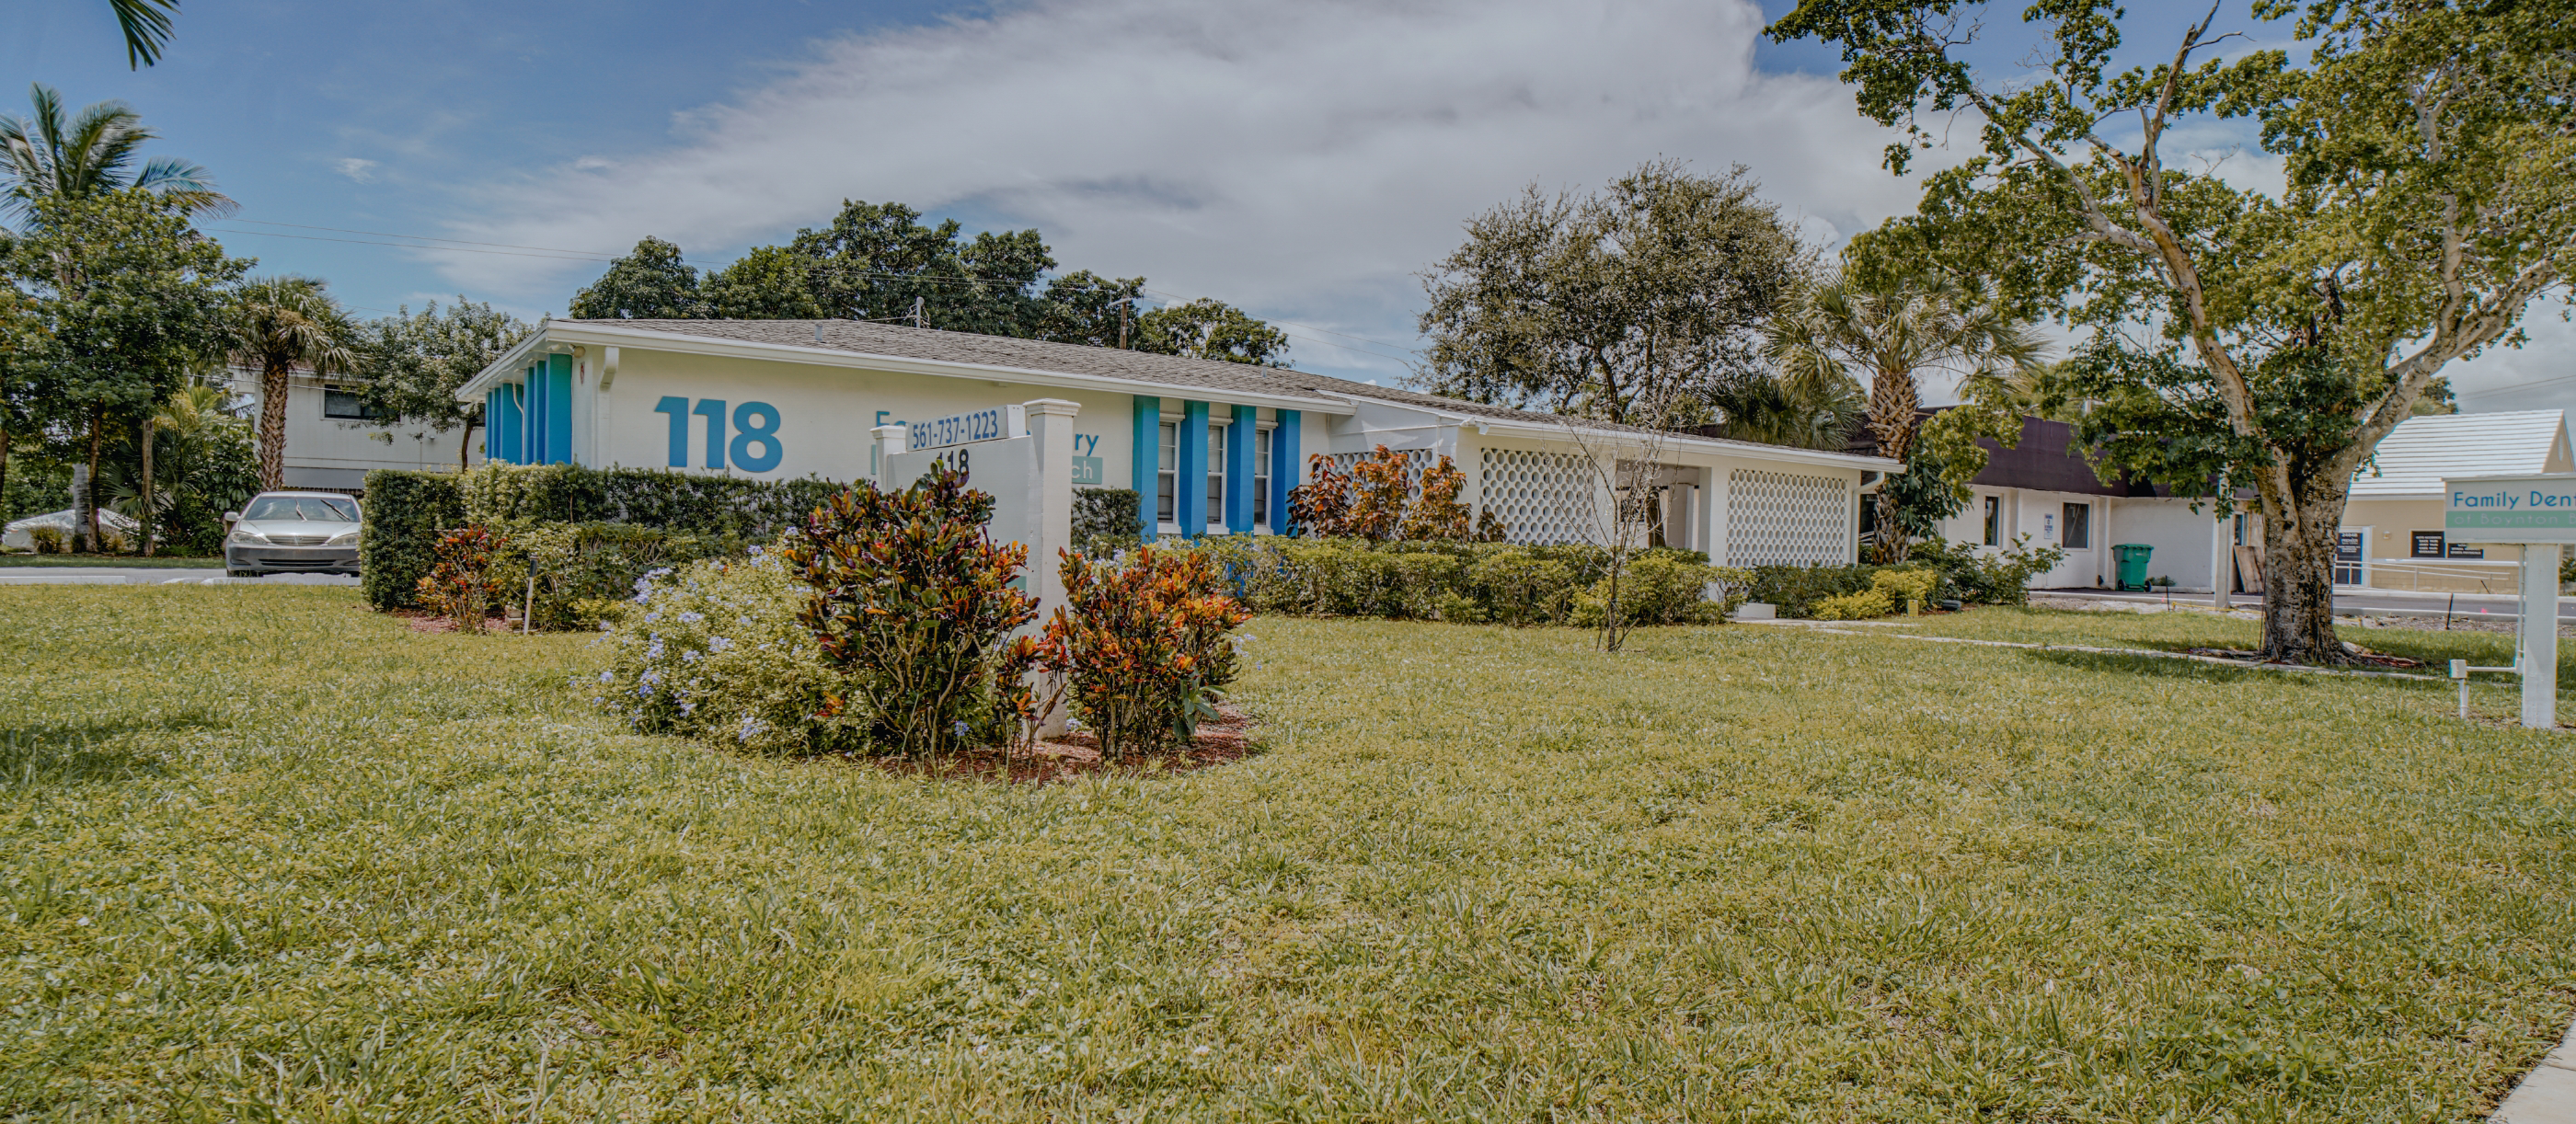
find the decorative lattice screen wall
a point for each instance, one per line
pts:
(1776, 519)
(1540, 497)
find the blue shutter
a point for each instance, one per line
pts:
(1238, 470)
(558, 380)
(1148, 448)
(1284, 465)
(1192, 485)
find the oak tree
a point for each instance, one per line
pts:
(2251, 338)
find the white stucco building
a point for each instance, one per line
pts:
(1211, 447)
(331, 442)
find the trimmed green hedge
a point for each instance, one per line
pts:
(405, 513)
(604, 527)
(1466, 581)
(1104, 513)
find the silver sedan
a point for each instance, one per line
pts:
(293, 532)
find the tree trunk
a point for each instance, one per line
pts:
(144, 521)
(5, 512)
(465, 449)
(89, 498)
(2298, 572)
(272, 427)
(1893, 404)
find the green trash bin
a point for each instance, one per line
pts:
(2132, 557)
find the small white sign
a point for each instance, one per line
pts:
(1005, 469)
(995, 423)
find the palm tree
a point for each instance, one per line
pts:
(1893, 332)
(1800, 413)
(183, 425)
(146, 24)
(280, 324)
(51, 155)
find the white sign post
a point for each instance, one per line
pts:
(2537, 513)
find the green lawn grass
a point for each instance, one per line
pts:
(2180, 629)
(267, 855)
(111, 561)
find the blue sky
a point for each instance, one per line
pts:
(1302, 158)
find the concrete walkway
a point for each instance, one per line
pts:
(2547, 1094)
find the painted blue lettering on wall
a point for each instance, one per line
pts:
(764, 434)
(757, 421)
(678, 408)
(712, 409)
(1087, 469)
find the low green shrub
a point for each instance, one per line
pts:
(581, 567)
(1797, 589)
(675, 516)
(48, 540)
(1519, 588)
(1443, 580)
(1908, 587)
(1105, 519)
(1868, 603)
(406, 513)
(2000, 577)
(713, 649)
(1661, 590)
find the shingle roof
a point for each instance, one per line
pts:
(2414, 457)
(904, 342)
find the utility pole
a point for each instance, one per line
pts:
(1122, 323)
(916, 312)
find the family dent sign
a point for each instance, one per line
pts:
(2510, 509)
(2537, 513)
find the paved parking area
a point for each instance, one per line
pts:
(153, 575)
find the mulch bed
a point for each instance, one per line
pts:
(2361, 657)
(1222, 742)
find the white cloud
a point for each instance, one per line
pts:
(363, 171)
(1298, 157)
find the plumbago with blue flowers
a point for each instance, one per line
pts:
(714, 650)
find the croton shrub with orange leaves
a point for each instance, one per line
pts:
(1144, 643)
(463, 585)
(913, 604)
(1379, 500)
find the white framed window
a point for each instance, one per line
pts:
(1167, 475)
(1261, 477)
(1216, 477)
(2079, 527)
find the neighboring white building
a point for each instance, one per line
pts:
(2043, 490)
(1211, 447)
(330, 441)
(2392, 534)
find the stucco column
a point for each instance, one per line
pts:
(889, 439)
(1050, 423)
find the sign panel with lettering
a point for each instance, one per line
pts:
(2510, 509)
(2428, 544)
(995, 423)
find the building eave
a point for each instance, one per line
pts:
(592, 334)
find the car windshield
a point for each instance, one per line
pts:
(314, 509)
